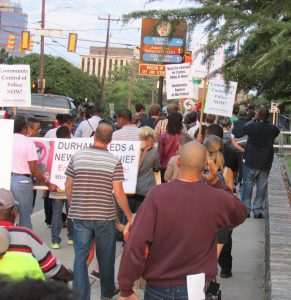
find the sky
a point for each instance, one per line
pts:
(82, 17)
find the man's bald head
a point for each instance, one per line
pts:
(103, 133)
(192, 157)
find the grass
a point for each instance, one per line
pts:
(288, 162)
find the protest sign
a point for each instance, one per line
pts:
(6, 139)
(15, 85)
(220, 98)
(179, 81)
(55, 155)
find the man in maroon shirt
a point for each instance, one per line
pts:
(178, 221)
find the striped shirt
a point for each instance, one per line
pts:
(126, 133)
(93, 170)
(24, 240)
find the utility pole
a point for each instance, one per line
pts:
(131, 81)
(109, 19)
(40, 85)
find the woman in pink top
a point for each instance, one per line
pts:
(168, 143)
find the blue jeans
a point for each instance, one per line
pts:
(153, 292)
(57, 222)
(22, 189)
(84, 233)
(250, 178)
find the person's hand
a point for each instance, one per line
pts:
(52, 187)
(211, 176)
(133, 296)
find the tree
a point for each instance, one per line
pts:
(117, 88)
(62, 78)
(263, 27)
(4, 57)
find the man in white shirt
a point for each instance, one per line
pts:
(65, 120)
(87, 127)
(24, 168)
(128, 131)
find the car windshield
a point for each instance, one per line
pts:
(50, 101)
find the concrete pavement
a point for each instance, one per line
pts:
(248, 253)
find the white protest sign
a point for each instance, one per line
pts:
(195, 286)
(15, 87)
(220, 98)
(179, 81)
(55, 155)
(6, 138)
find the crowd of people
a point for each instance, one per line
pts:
(195, 181)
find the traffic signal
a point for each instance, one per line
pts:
(11, 41)
(31, 43)
(34, 85)
(25, 38)
(72, 43)
(188, 57)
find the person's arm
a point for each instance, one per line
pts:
(68, 188)
(38, 175)
(236, 145)
(64, 274)
(170, 170)
(157, 164)
(229, 178)
(140, 237)
(122, 199)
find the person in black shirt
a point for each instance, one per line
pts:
(155, 110)
(258, 157)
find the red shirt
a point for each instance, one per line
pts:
(179, 222)
(168, 147)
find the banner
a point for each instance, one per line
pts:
(15, 87)
(6, 140)
(179, 81)
(220, 98)
(54, 156)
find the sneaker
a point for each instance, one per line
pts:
(70, 242)
(225, 274)
(258, 216)
(116, 291)
(95, 275)
(55, 246)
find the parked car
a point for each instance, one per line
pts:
(45, 107)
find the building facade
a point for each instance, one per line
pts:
(12, 22)
(93, 64)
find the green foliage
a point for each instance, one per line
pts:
(4, 57)
(63, 78)
(264, 29)
(117, 88)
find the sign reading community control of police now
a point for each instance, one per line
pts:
(15, 85)
(179, 81)
(54, 156)
(220, 98)
(6, 140)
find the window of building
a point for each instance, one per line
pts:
(94, 66)
(88, 65)
(121, 62)
(110, 65)
(99, 67)
(83, 63)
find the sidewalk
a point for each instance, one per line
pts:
(248, 253)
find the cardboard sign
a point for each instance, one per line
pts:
(6, 140)
(179, 81)
(55, 155)
(220, 98)
(15, 85)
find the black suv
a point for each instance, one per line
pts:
(45, 107)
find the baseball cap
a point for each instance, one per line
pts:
(6, 199)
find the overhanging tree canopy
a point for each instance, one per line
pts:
(264, 29)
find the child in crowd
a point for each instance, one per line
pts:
(59, 199)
